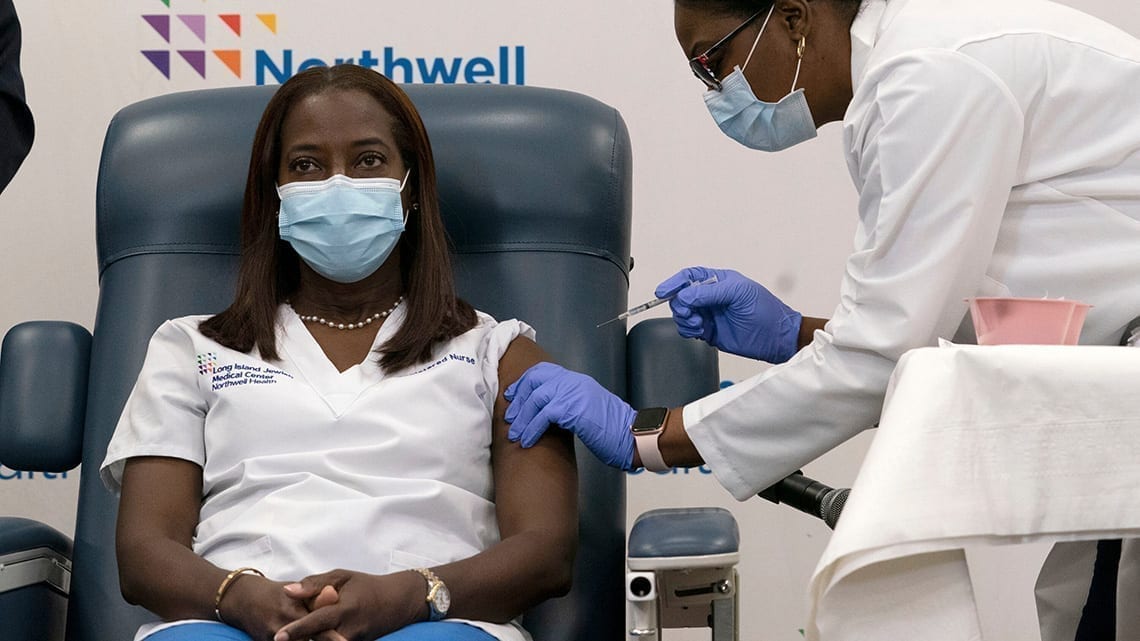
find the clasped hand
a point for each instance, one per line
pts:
(333, 606)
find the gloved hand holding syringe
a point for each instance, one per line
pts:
(633, 311)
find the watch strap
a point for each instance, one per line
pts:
(434, 585)
(648, 448)
(649, 452)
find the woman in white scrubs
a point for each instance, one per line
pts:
(346, 411)
(996, 150)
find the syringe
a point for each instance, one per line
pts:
(633, 311)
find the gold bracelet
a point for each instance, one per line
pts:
(226, 583)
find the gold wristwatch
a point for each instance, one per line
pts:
(438, 596)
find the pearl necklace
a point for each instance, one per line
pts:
(364, 323)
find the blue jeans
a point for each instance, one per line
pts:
(424, 631)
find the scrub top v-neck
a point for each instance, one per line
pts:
(338, 389)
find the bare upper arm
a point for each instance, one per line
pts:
(161, 498)
(535, 488)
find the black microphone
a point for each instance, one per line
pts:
(809, 496)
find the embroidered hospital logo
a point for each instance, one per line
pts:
(207, 363)
(238, 374)
(450, 358)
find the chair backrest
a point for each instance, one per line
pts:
(535, 188)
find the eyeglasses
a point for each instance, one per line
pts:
(700, 64)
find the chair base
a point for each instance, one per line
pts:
(689, 598)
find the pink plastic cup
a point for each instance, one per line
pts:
(1027, 321)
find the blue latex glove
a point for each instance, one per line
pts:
(547, 393)
(734, 314)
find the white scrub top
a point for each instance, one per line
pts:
(996, 150)
(306, 469)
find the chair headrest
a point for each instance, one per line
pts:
(174, 167)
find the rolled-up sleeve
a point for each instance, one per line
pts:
(491, 349)
(934, 140)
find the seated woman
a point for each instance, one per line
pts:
(346, 411)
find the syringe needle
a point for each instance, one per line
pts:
(656, 301)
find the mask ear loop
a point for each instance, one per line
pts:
(415, 206)
(757, 40)
(799, 61)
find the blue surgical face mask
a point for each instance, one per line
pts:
(766, 126)
(344, 228)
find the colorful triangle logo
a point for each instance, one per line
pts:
(269, 20)
(231, 58)
(196, 60)
(160, 60)
(233, 21)
(161, 24)
(196, 24)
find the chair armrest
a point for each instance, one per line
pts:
(666, 370)
(43, 395)
(676, 538)
(682, 572)
(32, 553)
(35, 580)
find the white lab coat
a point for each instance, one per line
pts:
(306, 469)
(996, 150)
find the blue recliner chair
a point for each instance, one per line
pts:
(535, 188)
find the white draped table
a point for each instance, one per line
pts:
(978, 445)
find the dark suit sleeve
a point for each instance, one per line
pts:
(16, 126)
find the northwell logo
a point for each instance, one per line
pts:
(197, 24)
(216, 37)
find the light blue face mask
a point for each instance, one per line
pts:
(344, 228)
(766, 126)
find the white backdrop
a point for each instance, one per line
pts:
(694, 192)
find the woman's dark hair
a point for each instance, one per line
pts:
(270, 270)
(746, 8)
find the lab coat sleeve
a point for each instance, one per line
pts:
(935, 147)
(166, 411)
(492, 347)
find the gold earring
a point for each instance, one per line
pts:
(800, 48)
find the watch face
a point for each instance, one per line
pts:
(441, 599)
(649, 420)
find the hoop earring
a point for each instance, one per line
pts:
(799, 60)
